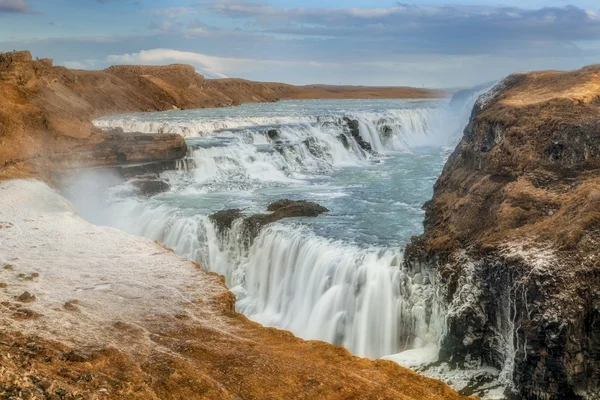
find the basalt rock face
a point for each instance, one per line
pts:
(513, 232)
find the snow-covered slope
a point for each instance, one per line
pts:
(108, 276)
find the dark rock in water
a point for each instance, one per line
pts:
(314, 147)
(273, 134)
(344, 140)
(354, 128)
(223, 220)
(295, 208)
(280, 209)
(150, 187)
(387, 131)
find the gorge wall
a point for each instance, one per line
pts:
(513, 235)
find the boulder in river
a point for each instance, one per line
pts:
(273, 134)
(280, 209)
(224, 219)
(150, 186)
(353, 127)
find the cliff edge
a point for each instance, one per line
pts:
(512, 236)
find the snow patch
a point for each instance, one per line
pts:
(108, 276)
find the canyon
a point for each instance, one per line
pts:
(509, 254)
(91, 312)
(48, 110)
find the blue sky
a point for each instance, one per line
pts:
(432, 43)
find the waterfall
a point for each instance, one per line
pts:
(290, 278)
(353, 294)
(394, 129)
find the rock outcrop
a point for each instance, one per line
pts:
(354, 131)
(513, 236)
(252, 224)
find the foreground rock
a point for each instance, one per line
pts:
(117, 316)
(280, 209)
(512, 237)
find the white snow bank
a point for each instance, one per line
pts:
(114, 276)
(416, 357)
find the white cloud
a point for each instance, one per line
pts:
(74, 64)
(83, 64)
(212, 66)
(173, 12)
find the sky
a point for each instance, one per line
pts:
(434, 43)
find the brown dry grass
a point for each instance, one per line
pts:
(528, 170)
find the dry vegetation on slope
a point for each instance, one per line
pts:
(528, 167)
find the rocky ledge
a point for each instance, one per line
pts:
(512, 237)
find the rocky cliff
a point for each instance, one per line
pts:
(512, 237)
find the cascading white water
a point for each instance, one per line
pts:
(191, 127)
(393, 129)
(343, 290)
(291, 278)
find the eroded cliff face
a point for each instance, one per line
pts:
(513, 233)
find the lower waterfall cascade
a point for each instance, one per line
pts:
(339, 277)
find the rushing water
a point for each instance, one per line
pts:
(338, 277)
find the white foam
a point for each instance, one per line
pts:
(392, 129)
(415, 358)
